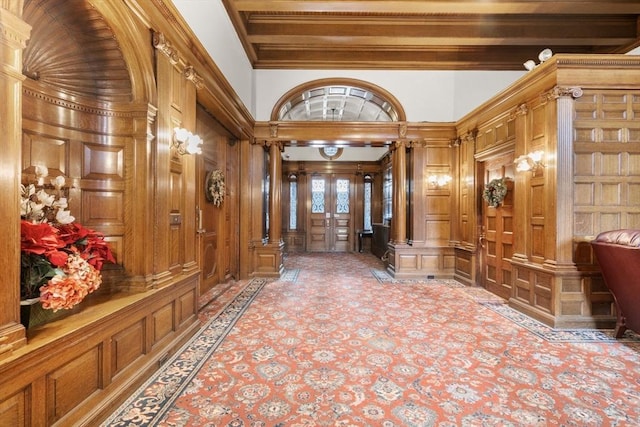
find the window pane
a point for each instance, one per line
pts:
(317, 195)
(342, 196)
(293, 205)
(387, 195)
(367, 205)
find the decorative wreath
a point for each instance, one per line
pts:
(214, 189)
(495, 191)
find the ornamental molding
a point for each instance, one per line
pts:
(402, 130)
(520, 110)
(191, 75)
(161, 43)
(80, 107)
(562, 92)
(14, 30)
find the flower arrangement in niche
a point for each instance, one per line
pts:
(495, 192)
(215, 187)
(60, 260)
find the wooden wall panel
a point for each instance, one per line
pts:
(72, 383)
(44, 150)
(163, 323)
(128, 345)
(103, 162)
(438, 230)
(103, 207)
(186, 307)
(12, 410)
(607, 161)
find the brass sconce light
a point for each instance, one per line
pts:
(439, 180)
(186, 142)
(530, 162)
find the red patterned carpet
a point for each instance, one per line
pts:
(334, 344)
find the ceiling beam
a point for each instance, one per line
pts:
(597, 7)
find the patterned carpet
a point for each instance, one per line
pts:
(337, 346)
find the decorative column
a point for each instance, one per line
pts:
(522, 186)
(562, 197)
(275, 192)
(399, 197)
(13, 37)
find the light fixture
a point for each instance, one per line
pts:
(439, 180)
(543, 56)
(531, 161)
(186, 142)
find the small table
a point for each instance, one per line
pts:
(361, 234)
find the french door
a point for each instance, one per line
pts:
(330, 227)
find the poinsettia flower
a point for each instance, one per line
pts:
(39, 238)
(59, 257)
(61, 203)
(45, 198)
(58, 182)
(27, 190)
(64, 217)
(41, 170)
(35, 209)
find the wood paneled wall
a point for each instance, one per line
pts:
(113, 144)
(584, 123)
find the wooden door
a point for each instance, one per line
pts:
(330, 213)
(497, 230)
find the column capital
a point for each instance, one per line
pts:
(399, 143)
(191, 75)
(562, 92)
(161, 43)
(519, 111)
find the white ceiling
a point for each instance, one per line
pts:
(349, 154)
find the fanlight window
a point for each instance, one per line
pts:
(338, 103)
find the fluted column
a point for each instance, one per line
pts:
(562, 197)
(13, 38)
(522, 186)
(399, 196)
(275, 193)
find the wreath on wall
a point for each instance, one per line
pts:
(495, 191)
(215, 188)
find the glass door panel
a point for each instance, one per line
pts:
(330, 225)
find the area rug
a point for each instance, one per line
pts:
(560, 335)
(384, 277)
(290, 275)
(340, 348)
(154, 398)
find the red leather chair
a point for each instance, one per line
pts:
(618, 254)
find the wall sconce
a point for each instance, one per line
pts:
(531, 161)
(542, 56)
(438, 180)
(186, 142)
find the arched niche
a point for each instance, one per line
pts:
(338, 99)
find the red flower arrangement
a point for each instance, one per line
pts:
(60, 263)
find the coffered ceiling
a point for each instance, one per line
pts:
(427, 35)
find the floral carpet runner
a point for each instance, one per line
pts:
(147, 407)
(339, 347)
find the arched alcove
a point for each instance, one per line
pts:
(89, 63)
(338, 99)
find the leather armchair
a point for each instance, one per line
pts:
(618, 254)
